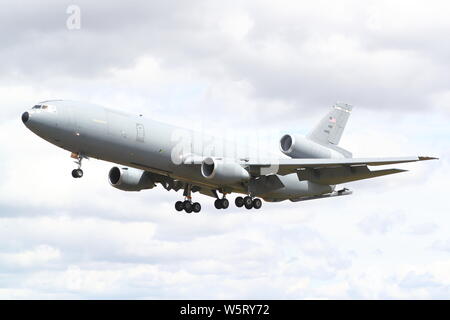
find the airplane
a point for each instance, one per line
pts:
(150, 152)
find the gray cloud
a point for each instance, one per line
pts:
(306, 65)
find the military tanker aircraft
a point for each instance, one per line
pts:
(149, 152)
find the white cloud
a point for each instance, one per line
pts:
(381, 224)
(424, 228)
(36, 257)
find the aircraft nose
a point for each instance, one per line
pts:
(25, 117)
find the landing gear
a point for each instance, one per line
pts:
(179, 205)
(196, 207)
(225, 203)
(239, 202)
(221, 203)
(77, 173)
(257, 203)
(248, 202)
(187, 205)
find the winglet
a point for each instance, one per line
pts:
(427, 158)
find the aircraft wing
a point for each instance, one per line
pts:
(287, 166)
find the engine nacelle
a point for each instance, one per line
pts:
(223, 172)
(299, 147)
(130, 179)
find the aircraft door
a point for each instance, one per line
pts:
(140, 132)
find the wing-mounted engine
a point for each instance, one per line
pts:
(223, 171)
(130, 179)
(299, 147)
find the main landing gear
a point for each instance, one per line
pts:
(187, 205)
(248, 202)
(77, 173)
(221, 203)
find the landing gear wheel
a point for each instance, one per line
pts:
(218, 204)
(248, 202)
(224, 203)
(239, 202)
(257, 203)
(196, 207)
(179, 205)
(77, 173)
(187, 206)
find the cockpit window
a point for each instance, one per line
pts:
(45, 107)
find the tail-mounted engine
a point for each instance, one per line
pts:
(298, 147)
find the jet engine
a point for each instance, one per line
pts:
(222, 171)
(298, 147)
(130, 179)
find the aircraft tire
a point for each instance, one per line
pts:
(239, 202)
(257, 203)
(187, 206)
(225, 203)
(77, 173)
(196, 207)
(248, 202)
(179, 205)
(218, 204)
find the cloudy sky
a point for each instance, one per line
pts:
(244, 66)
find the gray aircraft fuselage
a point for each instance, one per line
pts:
(138, 142)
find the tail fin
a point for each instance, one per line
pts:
(329, 130)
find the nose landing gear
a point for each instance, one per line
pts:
(77, 173)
